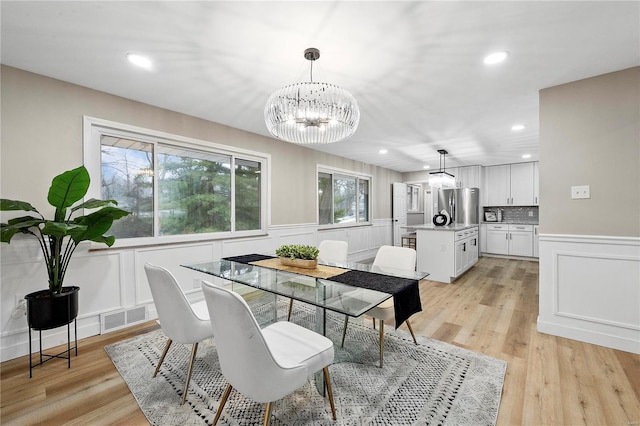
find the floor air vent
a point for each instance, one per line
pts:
(122, 318)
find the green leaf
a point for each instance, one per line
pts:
(20, 224)
(27, 221)
(94, 203)
(6, 205)
(59, 229)
(68, 188)
(6, 233)
(96, 224)
(106, 240)
(109, 211)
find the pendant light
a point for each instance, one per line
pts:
(311, 112)
(442, 179)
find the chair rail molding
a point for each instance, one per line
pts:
(590, 289)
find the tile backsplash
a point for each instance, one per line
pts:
(516, 214)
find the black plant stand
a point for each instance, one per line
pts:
(60, 355)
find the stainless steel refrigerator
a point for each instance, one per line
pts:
(461, 204)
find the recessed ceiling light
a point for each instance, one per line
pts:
(383, 151)
(517, 127)
(496, 57)
(526, 155)
(141, 61)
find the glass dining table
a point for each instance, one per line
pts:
(320, 287)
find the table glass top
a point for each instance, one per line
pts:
(338, 297)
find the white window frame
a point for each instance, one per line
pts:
(95, 128)
(345, 173)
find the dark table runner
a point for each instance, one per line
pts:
(248, 258)
(405, 291)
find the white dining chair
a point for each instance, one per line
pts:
(329, 251)
(392, 257)
(180, 321)
(333, 251)
(264, 365)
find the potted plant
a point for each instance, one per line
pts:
(298, 255)
(58, 239)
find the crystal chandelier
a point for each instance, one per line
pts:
(311, 112)
(442, 179)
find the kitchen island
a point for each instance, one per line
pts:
(446, 251)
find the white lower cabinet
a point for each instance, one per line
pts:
(513, 240)
(498, 239)
(521, 240)
(536, 238)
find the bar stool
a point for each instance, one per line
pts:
(409, 240)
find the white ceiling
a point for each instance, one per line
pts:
(415, 68)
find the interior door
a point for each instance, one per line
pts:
(399, 213)
(428, 206)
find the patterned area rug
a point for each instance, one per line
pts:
(431, 383)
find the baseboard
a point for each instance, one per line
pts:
(589, 336)
(504, 256)
(19, 342)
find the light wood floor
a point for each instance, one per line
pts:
(491, 310)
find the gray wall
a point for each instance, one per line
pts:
(590, 135)
(42, 136)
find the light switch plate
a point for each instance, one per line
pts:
(580, 192)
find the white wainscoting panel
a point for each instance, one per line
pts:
(113, 279)
(170, 257)
(590, 289)
(99, 277)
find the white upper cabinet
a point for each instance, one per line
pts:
(510, 185)
(522, 184)
(468, 177)
(498, 186)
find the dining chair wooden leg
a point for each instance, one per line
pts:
(411, 331)
(290, 309)
(164, 353)
(344, 331)
(189, 371)
(222, 402)
(267, 414)
(374, 323)
(327, 383)
(381, 342)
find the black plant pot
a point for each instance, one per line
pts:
(46, 310)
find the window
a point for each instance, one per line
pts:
(413, 198)
(176, 189)
(343, 198)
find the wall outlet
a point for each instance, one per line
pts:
(530, 213)
(580, 192)
(20, 307)
(20, 301)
